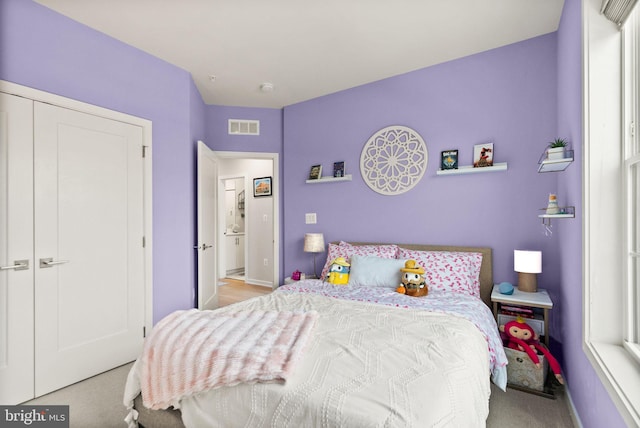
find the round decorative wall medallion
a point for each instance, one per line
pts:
(393, 160)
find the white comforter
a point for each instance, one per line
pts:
(370, 363)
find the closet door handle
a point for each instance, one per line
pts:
(17, 265)
(49, 262)
(202, 247)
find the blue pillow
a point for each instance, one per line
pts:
(375, 271)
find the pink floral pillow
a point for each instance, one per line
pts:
(458, 272)
(346, 250)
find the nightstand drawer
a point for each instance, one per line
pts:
(536, 324)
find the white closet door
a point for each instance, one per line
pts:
(89, 300)
(16, 244)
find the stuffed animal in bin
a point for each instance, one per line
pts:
(521, 336)
(339, 271)
(413, 281)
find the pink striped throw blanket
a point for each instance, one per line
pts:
(192, 351)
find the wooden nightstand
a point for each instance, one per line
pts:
(540, 299)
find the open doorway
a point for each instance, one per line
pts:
(233, 257)
(247, 222)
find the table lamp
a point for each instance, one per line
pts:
(528, 264)
(314, 243)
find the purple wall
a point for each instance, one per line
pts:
(506, 95)
(269, 140)
(197, 132)
(592, 401)
(42, 49)
(197, 114)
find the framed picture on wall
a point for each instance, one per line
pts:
(483, 155)
(449, 159)
(315, 172)
(262, 186)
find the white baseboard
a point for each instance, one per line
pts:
(258, 282)
(574, 413)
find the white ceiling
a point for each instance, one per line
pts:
(307, 49)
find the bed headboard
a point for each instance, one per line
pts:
(486, 269)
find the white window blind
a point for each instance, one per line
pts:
(617, 10)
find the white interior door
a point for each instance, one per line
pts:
(207, 222)
(89, 255)
(16, 245)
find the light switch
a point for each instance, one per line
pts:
(311, 218)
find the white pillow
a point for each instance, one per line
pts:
(375, 271)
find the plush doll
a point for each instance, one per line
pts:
(339, 272)
(522, 337)
(413, 282)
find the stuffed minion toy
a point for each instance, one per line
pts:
(413, 281)
(339, 272)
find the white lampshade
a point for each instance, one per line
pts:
(527, 261)
(527, 264)
(313, 242)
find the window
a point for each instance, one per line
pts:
(631, 168)
(611, 205)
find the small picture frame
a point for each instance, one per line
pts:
(449, 159)
(262, 187)
(316, 172)
(338, 169)
(483, 155)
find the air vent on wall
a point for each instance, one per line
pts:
(244, 127)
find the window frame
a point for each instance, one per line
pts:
(606, 308)
(631, 172)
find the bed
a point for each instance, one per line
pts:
(370, 356)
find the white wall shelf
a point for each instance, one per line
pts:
(469, 169)
(330, 179)
(553, 165)
(565, 212)
(557, 216)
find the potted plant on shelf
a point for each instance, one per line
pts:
(556, 149)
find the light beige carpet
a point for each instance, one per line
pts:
(517, 408)
(95, 402)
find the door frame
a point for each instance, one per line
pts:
(274, 157)
(146, 126)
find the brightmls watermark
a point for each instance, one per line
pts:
(34, 416)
